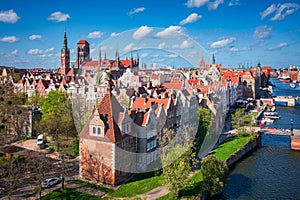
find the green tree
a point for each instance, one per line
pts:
(12, 115)
(240, 120)
(203, 127)
(215, 175)
(177, 159)
(57, 121)
(177, 162)
(11, 173)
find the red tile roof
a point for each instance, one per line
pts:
(126, 62)
(82, 42)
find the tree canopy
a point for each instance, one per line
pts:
(57, 119)
(215, 175)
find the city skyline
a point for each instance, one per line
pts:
(238, 33)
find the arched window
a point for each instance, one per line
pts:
(94, 130)
(99, 131)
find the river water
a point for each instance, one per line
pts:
(273, 170)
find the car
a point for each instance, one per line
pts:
(50, 182)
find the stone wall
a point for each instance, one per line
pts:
(246, 149)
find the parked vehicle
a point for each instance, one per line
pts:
(40, 141)
(50, 182)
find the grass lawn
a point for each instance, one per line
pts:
(90, 185)
(132, 189)
(145, 182)
(225, 150)
(68, 194)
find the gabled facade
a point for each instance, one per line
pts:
(108, 144)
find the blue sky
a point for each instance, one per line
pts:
(237, 32)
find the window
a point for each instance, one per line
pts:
(99, 131)
(94, 130)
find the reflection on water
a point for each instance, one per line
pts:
(271, 172)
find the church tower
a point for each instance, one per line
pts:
(213, 59)
(83, 53)
(65, 57)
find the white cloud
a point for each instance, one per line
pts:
(136, 10)
(35, 37)
(14, 52)
(42, 53)
(262, 32)
(142, 32)
(162, 45)
(192, 18)
(280, 11)
(95, 34)
(49, 50)
(34, 51)
(234, 49)
(9, 16)
(234, 3)
(144, 55)
(186, 44)
(279, 46)
(196, 3)
(59, 17)
(129, 47)
(268, 11)
(222, 43)
(172, 56)
(114, 34)
(212, 5)
(170, 32)
(10, 39)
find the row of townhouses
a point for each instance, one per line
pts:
(129, 108)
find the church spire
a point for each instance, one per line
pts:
(213, 59)
(65, 41)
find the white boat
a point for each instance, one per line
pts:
(271, 115)
(267, 121)
(292, 85)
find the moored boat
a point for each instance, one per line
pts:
(292, 85)
(271, 115)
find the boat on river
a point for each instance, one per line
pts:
(292, 85)
(271, 115)
(284, 78)
(267, 121)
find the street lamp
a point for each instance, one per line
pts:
(292, 128)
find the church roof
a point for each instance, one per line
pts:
(82, 42)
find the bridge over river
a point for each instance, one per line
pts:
(286, 101)
(294, 134)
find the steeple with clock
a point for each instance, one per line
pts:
(65, 57)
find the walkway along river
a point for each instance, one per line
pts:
(273, 170)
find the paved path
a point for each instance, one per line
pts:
(155, 193)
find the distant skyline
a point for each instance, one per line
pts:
(237, 32)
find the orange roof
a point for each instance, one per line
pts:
(126, 62)
(70, 72)
(201, 87)
(143, 103)
(82, 42)
(193, 81)
(173, 84)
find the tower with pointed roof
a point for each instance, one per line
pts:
(65, 56)
(213, 59)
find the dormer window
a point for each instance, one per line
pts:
(96, 126)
